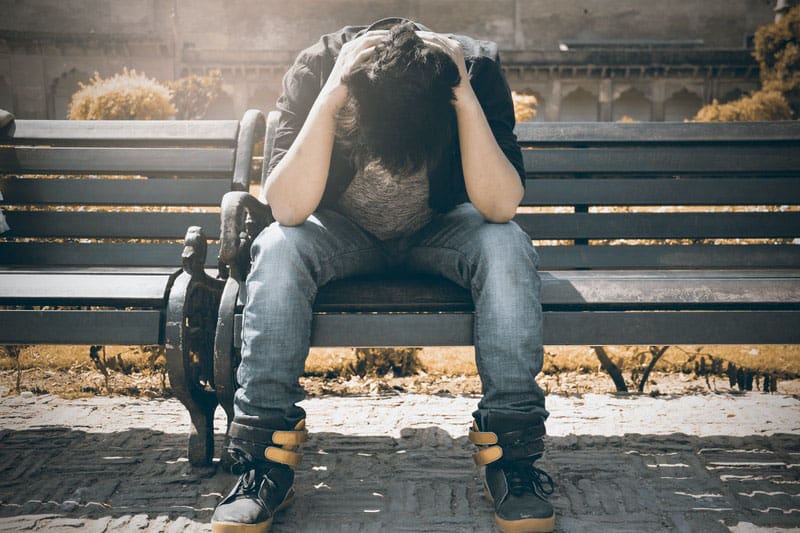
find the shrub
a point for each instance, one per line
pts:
(126, 96)
(524, 106)
(761, 105)
(777, 50)
(192, 95)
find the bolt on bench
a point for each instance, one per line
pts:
(648, 273)
(98, 261)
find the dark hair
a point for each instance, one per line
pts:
(400, 109)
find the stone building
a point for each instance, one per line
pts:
(584, 60)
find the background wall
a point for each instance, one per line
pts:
(584, 59)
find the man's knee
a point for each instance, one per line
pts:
(278, 244)
(505, 244)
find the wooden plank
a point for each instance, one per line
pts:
(122, 132)
(659, 225)
(180, 192)
(662, 191)
(724, 159)
(97, 254)
(659, 132)
(108, 224)
(560, 328)
(665, 256)
(73, 288)
(90, 160)
(697, 327)
(577, 290)
(81, 327)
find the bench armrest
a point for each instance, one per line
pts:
(243, 217)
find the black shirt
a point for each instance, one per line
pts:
(306, 77)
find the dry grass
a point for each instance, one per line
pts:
(68, 370)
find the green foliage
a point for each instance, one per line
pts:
(760, 106)
(126, 96)
(192, 95)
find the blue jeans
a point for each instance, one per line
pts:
(497, 262)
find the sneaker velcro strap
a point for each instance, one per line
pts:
(482, 438)
(488, 455)
(290, 438)
(285, 457)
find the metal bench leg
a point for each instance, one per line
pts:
(191, 320)
(226, 356)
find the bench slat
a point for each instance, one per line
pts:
(659, 225)
(185, 192)
(577, 289)
(663, 191)
(663, 159)
(122, 132)
(109, 224)
(101, 289)
(147, 161)
(80, 327)
(656, 132)
(665, 256)
(99, 254)
(560, 328)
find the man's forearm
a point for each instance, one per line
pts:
(492, 182)
(295, 186)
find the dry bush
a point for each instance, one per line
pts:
(192, 95)
(760, 106)
(126, 96)
(525, 106)
(777, 50)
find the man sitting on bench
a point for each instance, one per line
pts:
(394, 151)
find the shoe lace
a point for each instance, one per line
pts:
(244, 467)
(524, 477)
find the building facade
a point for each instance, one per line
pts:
(587, 60)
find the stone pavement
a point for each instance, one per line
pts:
(402, 463)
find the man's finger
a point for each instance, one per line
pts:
(363, 55)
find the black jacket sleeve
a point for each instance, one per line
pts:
(301, 87)
(494, 95)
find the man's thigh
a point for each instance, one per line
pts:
(327, 245)
(455, 242)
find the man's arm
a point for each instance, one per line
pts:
(493, 184)
(294, 188)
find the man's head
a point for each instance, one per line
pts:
(401, 104)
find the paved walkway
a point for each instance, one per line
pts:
(402, 463)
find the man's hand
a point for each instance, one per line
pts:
(353, 54)
(453, 49)
(493, 185)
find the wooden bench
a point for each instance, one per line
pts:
(98, 261)
(642, 273)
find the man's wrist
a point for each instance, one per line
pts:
(465, 98)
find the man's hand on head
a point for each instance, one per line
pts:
(352, 55)
(452, 48)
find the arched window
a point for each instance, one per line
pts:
(632, 104)
(682, 105)
(579, 106)
(62, 90)
(6, 96)
(221, 108)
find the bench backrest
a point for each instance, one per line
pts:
(117, 192)
(658, 195)
(606, 195)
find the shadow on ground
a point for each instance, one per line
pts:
(423, 481)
